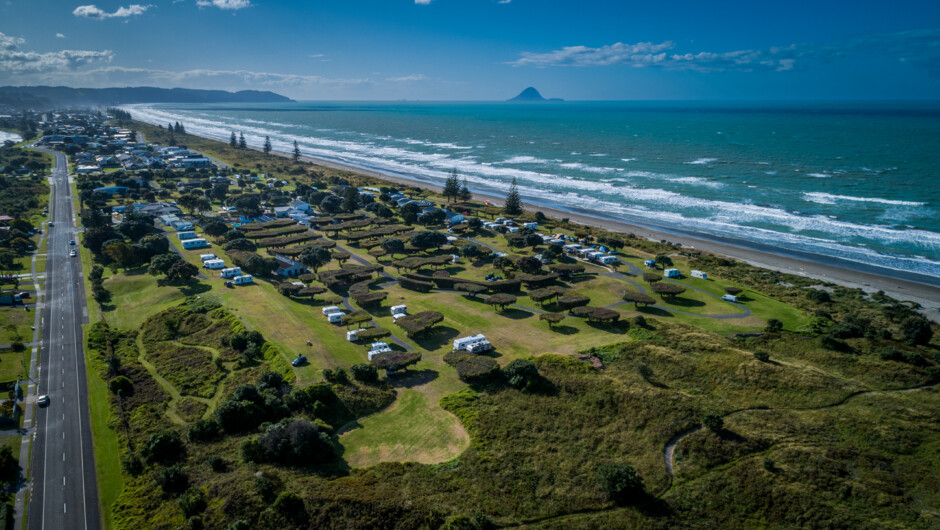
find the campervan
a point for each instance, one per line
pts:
(729, 298)
(330, 309)
(532, 226)
(480, 347)
(672, 273)
(198, 242)
(207, 257)
(335, 318)
(243, 279)
(699, 274)
(213, 264)
(351, 335)
(607, 260)
(463, 342)
(231, 273)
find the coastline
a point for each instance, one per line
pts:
(855, 275)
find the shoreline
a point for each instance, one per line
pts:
(856, 275)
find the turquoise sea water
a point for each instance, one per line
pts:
(855, 183)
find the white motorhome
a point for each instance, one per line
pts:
(330, 309)
(378, 347)
(244, 279)
(729, 298)
(672, 273)
(335, 318)
(699, 274)
(463, 342)
(231, 273)
(607, 260)
(213, 264)
(207, 257)
(480, 347)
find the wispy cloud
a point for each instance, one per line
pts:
(17, 62)
(919, 47)
(59, 36)
(224, 4)
(422, 2)
(94, 12)
(412, 77)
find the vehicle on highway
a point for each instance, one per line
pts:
(43, 400)
(72, 253)
(51, 223)
(71, 241)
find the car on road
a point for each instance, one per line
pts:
(299, 361)
(51, 223)
(71, 241)
(72, 253)
(43, 400)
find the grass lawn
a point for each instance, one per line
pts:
(11, 365)
(412, 429)
(20, 320)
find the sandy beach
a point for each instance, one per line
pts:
(902, 289)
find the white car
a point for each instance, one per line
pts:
(43, 400)
(72, 253)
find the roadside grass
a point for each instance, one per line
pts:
(20, 320)
(11, 365)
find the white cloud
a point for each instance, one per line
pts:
(920, 47)
(18, 62)
(412, 77)
(59, 36)
(94, 12)
(504, 1)
(224, 4)
(422, 2)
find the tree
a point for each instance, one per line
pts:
(394, 361)
(529, 265)
(451, 189)
(714, 422)
(121, 386)
(181, 271)
(552, 318)
(503, 263)
(242, 144)
(733, 291)
(267, 145)
(350, 199)
(471, 251)
(164, 447)
(762, 356)
(638, 298)
(513, 205)
(161, 263)
(365, 373)
(663, 261)
(215, 228)
(532, 240)
(296, 151)
(819, 296)
(393, 245)
(428, 239)
(315, 257)
(248, 205)
(620, 482)
(219, 192)
(331, 204)
(233, 141)
(649, 277)
(667, 289)
(500, 300)
(121, 254)
(409, 213)
(464, 195)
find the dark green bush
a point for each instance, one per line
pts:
(620, 482)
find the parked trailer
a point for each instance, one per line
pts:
(330, 309)
(214, 264)
(399, 309)
(243, 279)
(462, 343)
(378, 347)
(335, 318)
(188, 234)
(729, 298)
(207, 257)
(351, 335)
(199, 242)
(699, 274)
(672, 273)
(480, 347)
(231, 273)
(607, 260)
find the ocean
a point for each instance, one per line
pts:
(854, 183)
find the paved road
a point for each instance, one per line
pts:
(63, 486)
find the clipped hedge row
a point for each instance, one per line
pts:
(284, 241)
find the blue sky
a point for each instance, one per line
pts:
(482, 49)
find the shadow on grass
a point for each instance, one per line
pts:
(436, 337)
(564, 330)
(655, 311)
(196, 288)
(412, 378)
(515, 313)
(685, 302)
(620, 327)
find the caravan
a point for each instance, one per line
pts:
(336, 317)
(231, 273)
(189, 234)
(672, 273)
(213, 264)
(607, 260)
(207, 257)
(462, 343)
(480, 347)
(243, 279)
(330, 309)
(378, 347)
(198, 242)
(699, 274)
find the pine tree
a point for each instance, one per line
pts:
(233, 141)
(296, 151)
(513, 204)
(451, 187)
(182, 129)
(267, 145)
(242, 144)
(169, 127)
(465, 195)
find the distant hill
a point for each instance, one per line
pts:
(531, 95)
(43, 97)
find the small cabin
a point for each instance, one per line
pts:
(699, 274)
(195, 243)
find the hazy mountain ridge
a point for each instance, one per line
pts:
(38, 97)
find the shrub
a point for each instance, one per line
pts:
(774, 326)
(472, 368)
(520, 373)
(620, 482)
(204, 430)
(419, 322)
(192, 502)
(890, 353)
(552, 318)
(294, 442)
(734, 291)
(667, 289)
(638, 298)
(337, 376)
(395, 361)
(217, 463)
(818, 296)
(365, 373)
(645, 371)
(762, 356)
(916, 330)
(172, 479)
(769, 464)
(121, 386)
(714, 422)
(290, 506)
(164, 447)
(831, 342)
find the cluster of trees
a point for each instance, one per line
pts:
(98, 292)
(453, 190)
(238, 142)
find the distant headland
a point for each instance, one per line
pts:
(531, 95)
(46, 97)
